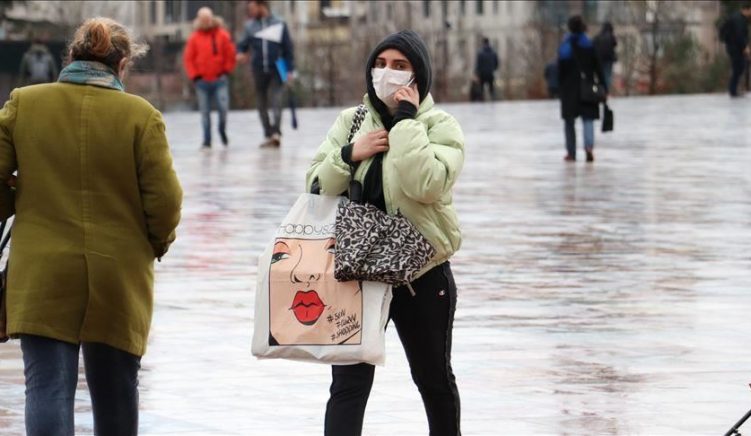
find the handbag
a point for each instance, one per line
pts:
(301, 311)
(3, 286)
(607, 119)
(372, 245)
(590, 90)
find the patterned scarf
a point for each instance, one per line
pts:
(91, 73)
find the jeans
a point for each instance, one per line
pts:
(589, 135)
(269, 84)
(424, 324)
(607, 71)
(738, 65)
(216, 92)
(51, 370)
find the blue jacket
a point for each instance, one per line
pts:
(264, 53)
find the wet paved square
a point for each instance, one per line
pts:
(593, 299)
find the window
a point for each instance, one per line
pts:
(495, 7)
(445, 9)
(389, 11)
(479, 7)
(463, 7)
(153, 12)
(426, 8)
(292, 6)
(172, 11)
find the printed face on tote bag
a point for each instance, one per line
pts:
(307, 305)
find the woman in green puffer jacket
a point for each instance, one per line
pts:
(408, 155)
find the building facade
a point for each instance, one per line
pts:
(334, 37)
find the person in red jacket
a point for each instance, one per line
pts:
(209, 57)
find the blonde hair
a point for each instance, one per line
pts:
(104, 40)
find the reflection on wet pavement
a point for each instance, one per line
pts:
(594, 299)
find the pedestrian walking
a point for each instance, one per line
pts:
(407, 154)
(486, 64)
(605, 44)
(268, 39)
(37, 65)
(734, 33)
(578, 72)
(96, 202)
(209, 58)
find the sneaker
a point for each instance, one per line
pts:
(276, 139)
(570, 158)
(590, 156)
(225, 140)
(206, 145)
(268, 143)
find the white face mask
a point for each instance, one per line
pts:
(387, 81)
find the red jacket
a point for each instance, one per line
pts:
(209, 54)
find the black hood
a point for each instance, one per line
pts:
(414, 49)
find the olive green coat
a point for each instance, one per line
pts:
(424, 160)
(96, 202)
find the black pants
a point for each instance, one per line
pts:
(51, 369)
(488, 81)
(424, 323)
(738, 64)
(269, 86)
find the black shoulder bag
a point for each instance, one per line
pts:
(590, 90)
(372, 245)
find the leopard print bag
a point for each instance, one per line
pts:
(372, 245)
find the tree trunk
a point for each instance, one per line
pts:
(653, 56)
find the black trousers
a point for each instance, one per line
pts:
(269, 86)
(738, 64)
(424, 323)
(488, 81)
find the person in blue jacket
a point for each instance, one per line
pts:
(267, 38)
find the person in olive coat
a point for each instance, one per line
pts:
(96, 202)
(576, 56)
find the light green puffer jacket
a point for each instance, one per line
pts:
(424, 160)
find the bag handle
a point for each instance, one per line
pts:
(6, 238)
(574, 52)
(357, 120)
(359, 117)
(355, 187)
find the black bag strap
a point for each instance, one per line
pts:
(6, 238)
(574, 51)
(582, 74)
(357, 121)
(355, 187)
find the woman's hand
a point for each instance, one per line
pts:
(370, 144)
(408, 93)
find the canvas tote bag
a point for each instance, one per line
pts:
(301, 311)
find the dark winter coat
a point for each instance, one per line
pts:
(264, 52)
(577, 52)
(38, 66)
(487, 62)
(736, 39)
(605, 44)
